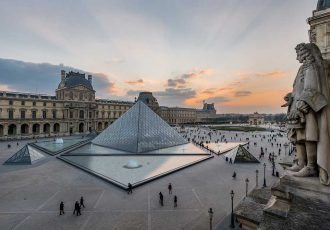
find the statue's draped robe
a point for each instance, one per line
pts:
(311, 86)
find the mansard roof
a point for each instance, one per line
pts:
(74, 79)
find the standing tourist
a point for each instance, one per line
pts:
(175, 201)
(161, 199)
(169, 188)
(61, 208)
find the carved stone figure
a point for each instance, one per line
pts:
(309, 115)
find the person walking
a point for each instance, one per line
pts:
(169, 188)
(61, 208)
(175, 201)
(129, 188)
(82, 202)
(234, 175)
(75, 211)
(161, 199)
(78, 210)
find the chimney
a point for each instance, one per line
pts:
(90, 78)
(62, 75)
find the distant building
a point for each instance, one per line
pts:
(256, 119)
(178, 115)
(319, 32)
(73, 110)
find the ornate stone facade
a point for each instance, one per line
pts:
(73, 110)
(319, 32)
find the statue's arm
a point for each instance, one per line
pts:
(312, 96)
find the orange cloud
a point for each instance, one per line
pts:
(273, 74)
(216, 95)
(136, 82)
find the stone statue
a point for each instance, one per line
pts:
(309, 115)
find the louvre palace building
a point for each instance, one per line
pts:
(74, 110)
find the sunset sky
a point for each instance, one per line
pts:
(238, 54)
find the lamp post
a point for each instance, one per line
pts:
(211, 216)
(264, 176)
(247, 184)
(273, 164)
(232, 224)
(257, 171)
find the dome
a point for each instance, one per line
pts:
(323, 4)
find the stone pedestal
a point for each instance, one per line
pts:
(293, 203)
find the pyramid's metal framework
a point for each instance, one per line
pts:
(26, 155)
(139, 130)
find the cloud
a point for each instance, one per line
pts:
(176, 82)
(197, 73)
(176, 93)
(242, 93)
(136, 82)
(214, 95)
(273, 74)
(183, 79)
(134, 93)
(214, 91)
(44, 77)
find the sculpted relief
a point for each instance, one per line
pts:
(308, 117)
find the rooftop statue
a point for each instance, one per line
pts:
(309, 115)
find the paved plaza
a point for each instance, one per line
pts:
(30, 195)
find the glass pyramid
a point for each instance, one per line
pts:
(139, 130)
(26, 155)
(241, 155)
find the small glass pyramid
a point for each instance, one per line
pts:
(26, 155)
(241, 155)
(139, 130)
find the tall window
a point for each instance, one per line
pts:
(22, 114)
(44, 114)
(81, 114)
(22, 102)
(11, 114)
(71, 114)
(34, 114)
(54, 114)
(10, 102)
(34, 103)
